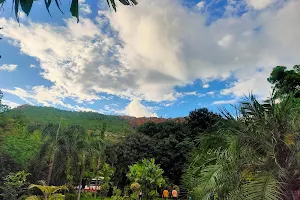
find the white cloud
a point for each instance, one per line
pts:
(11, 104)
(200, 5)
(259, 4)
(232, 101)
(85, 9)
(136, 109)
(225, 41)
(8, 68)
(154, 47)
(205, 85)
(33, 66)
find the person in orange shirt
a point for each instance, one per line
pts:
(174, 194)
(165, 194)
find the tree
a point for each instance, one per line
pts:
(286, 81)
(49, 149)
(261, 160)
(3, 108)
(49, 192)
(135, 147)
(13, 185)
(201, 120)
(149, 175)
(74, 7)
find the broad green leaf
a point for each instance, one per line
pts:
(74, 9)
(26, 6)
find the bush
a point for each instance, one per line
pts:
(126, 191)
(117, 194)
(135, 187)
(134, 196)
(104, 189)
(69, 196)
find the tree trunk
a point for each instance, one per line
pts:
(80, 185)
(97, 169)
(50, 169)
(81, 176)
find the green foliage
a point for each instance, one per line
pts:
(135, 186)
(88, 120)
(148, 174)
(7, 165)
(261, 158)
(3, 108)
(22, 146)
(69, 196)
(117, 194)
(14, 184)
(49, 192)
(286, 81)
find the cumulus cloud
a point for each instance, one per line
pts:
(11, 104)
(33, 66)
(200, 5)
(8, 68)
(259, 4)
(143, 52)
(206, 85)
(135, 108)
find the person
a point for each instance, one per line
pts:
(174, 194)
(165, 194)
(140, 195)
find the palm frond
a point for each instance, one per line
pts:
(264, 186)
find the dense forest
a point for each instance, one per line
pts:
(252, 153)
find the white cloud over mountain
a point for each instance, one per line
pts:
(143, 52)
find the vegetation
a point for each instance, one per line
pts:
(88, 120)
(286, 81)
(253, 154)
(148, 175)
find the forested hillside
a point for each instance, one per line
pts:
(91, 121)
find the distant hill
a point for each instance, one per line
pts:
(89, 120)
(136, 121)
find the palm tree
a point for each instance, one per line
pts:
(76, 141)
(49, 192)
(261, 160)
(50, 146)
(98, 144)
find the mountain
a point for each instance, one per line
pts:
(136, 121)
(89, 120)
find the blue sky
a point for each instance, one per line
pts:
(160, 58)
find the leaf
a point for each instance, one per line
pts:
(17, 2)
(57, 4)
(113, 4)
(48, 3)
(134, 2)
(2, 1)
(26, 6)
(125, 2)
(74, 9)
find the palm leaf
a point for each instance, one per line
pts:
(264, 187)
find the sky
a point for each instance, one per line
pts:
(161, 58)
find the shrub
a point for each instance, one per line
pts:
(135, 187)
(69, 196)
(117, 194)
